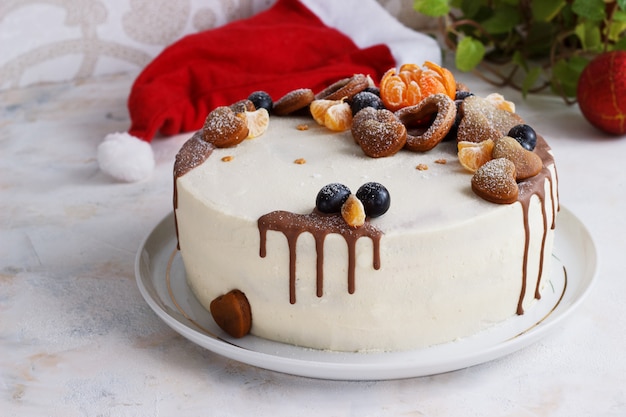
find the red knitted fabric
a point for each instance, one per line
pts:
(279, 50)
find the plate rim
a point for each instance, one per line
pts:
(381, 370)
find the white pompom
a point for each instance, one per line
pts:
(125, 157)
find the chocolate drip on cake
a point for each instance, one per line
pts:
(292, 225)
(535, 186)
(193, 153)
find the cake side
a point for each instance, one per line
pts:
(451, 263)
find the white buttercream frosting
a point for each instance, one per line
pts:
(451, 263)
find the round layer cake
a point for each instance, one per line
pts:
(441, 264)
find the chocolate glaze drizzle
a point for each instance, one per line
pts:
(292, 225)
(536, 186)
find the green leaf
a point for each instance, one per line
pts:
(621, 4)
(589, 9)
(615, 30)
(619, 16)
(469, 53)
(620, 45)
(589, 35)
(565, 75)
(470, 8)
(531, 78)
(503, 20)
(546, 10)
(434, 8)
(519, 60)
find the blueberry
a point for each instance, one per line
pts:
(331, 197)
(375, 198)
(365, 99)
(525, 135)
(261, 99)
(462, 95)
(373, 89)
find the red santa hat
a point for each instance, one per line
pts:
(294, 44)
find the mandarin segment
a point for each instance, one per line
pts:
(257, 122)
(353, 212)
(338, 117)
(473, 155)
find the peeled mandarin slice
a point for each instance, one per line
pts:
(473, 155)
(318, 109)
(338, 117)
(257, 122)
(447, 78)
(500, 102)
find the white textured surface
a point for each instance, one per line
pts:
(77, 339)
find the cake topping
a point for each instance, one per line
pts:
(495, 181)
(375, 197)
(224, 128)
(257, 122)
(261, 100)
(482, 120)
(473, 155)
(353, 212)
(412, 83)
(379, 132)
(345, 88)
(365, 99)
(334, 114)
(525, 135)
(331, 197)
(242, 106)
(231, 311)
(441, 107)
(527, 163)
(293, 101)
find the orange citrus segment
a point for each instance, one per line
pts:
(473, 155)
(257, 122)
(338, 117)
(318, 109)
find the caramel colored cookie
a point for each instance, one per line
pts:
(527, 163)
(378, 132)
(346, 88)
(225, 128)
(293, 101)
(482, 120)
(232, 313)
(495, 181)
(242, 106)
(442, 107)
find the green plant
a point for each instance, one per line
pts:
(529, 45)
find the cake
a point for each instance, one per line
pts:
(448, 257)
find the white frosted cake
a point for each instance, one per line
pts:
(442, 263)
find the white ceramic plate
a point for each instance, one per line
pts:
(161, 278)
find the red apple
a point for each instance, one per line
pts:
(601, 92)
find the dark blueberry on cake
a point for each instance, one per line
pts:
(375, 198)
(331, 197)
